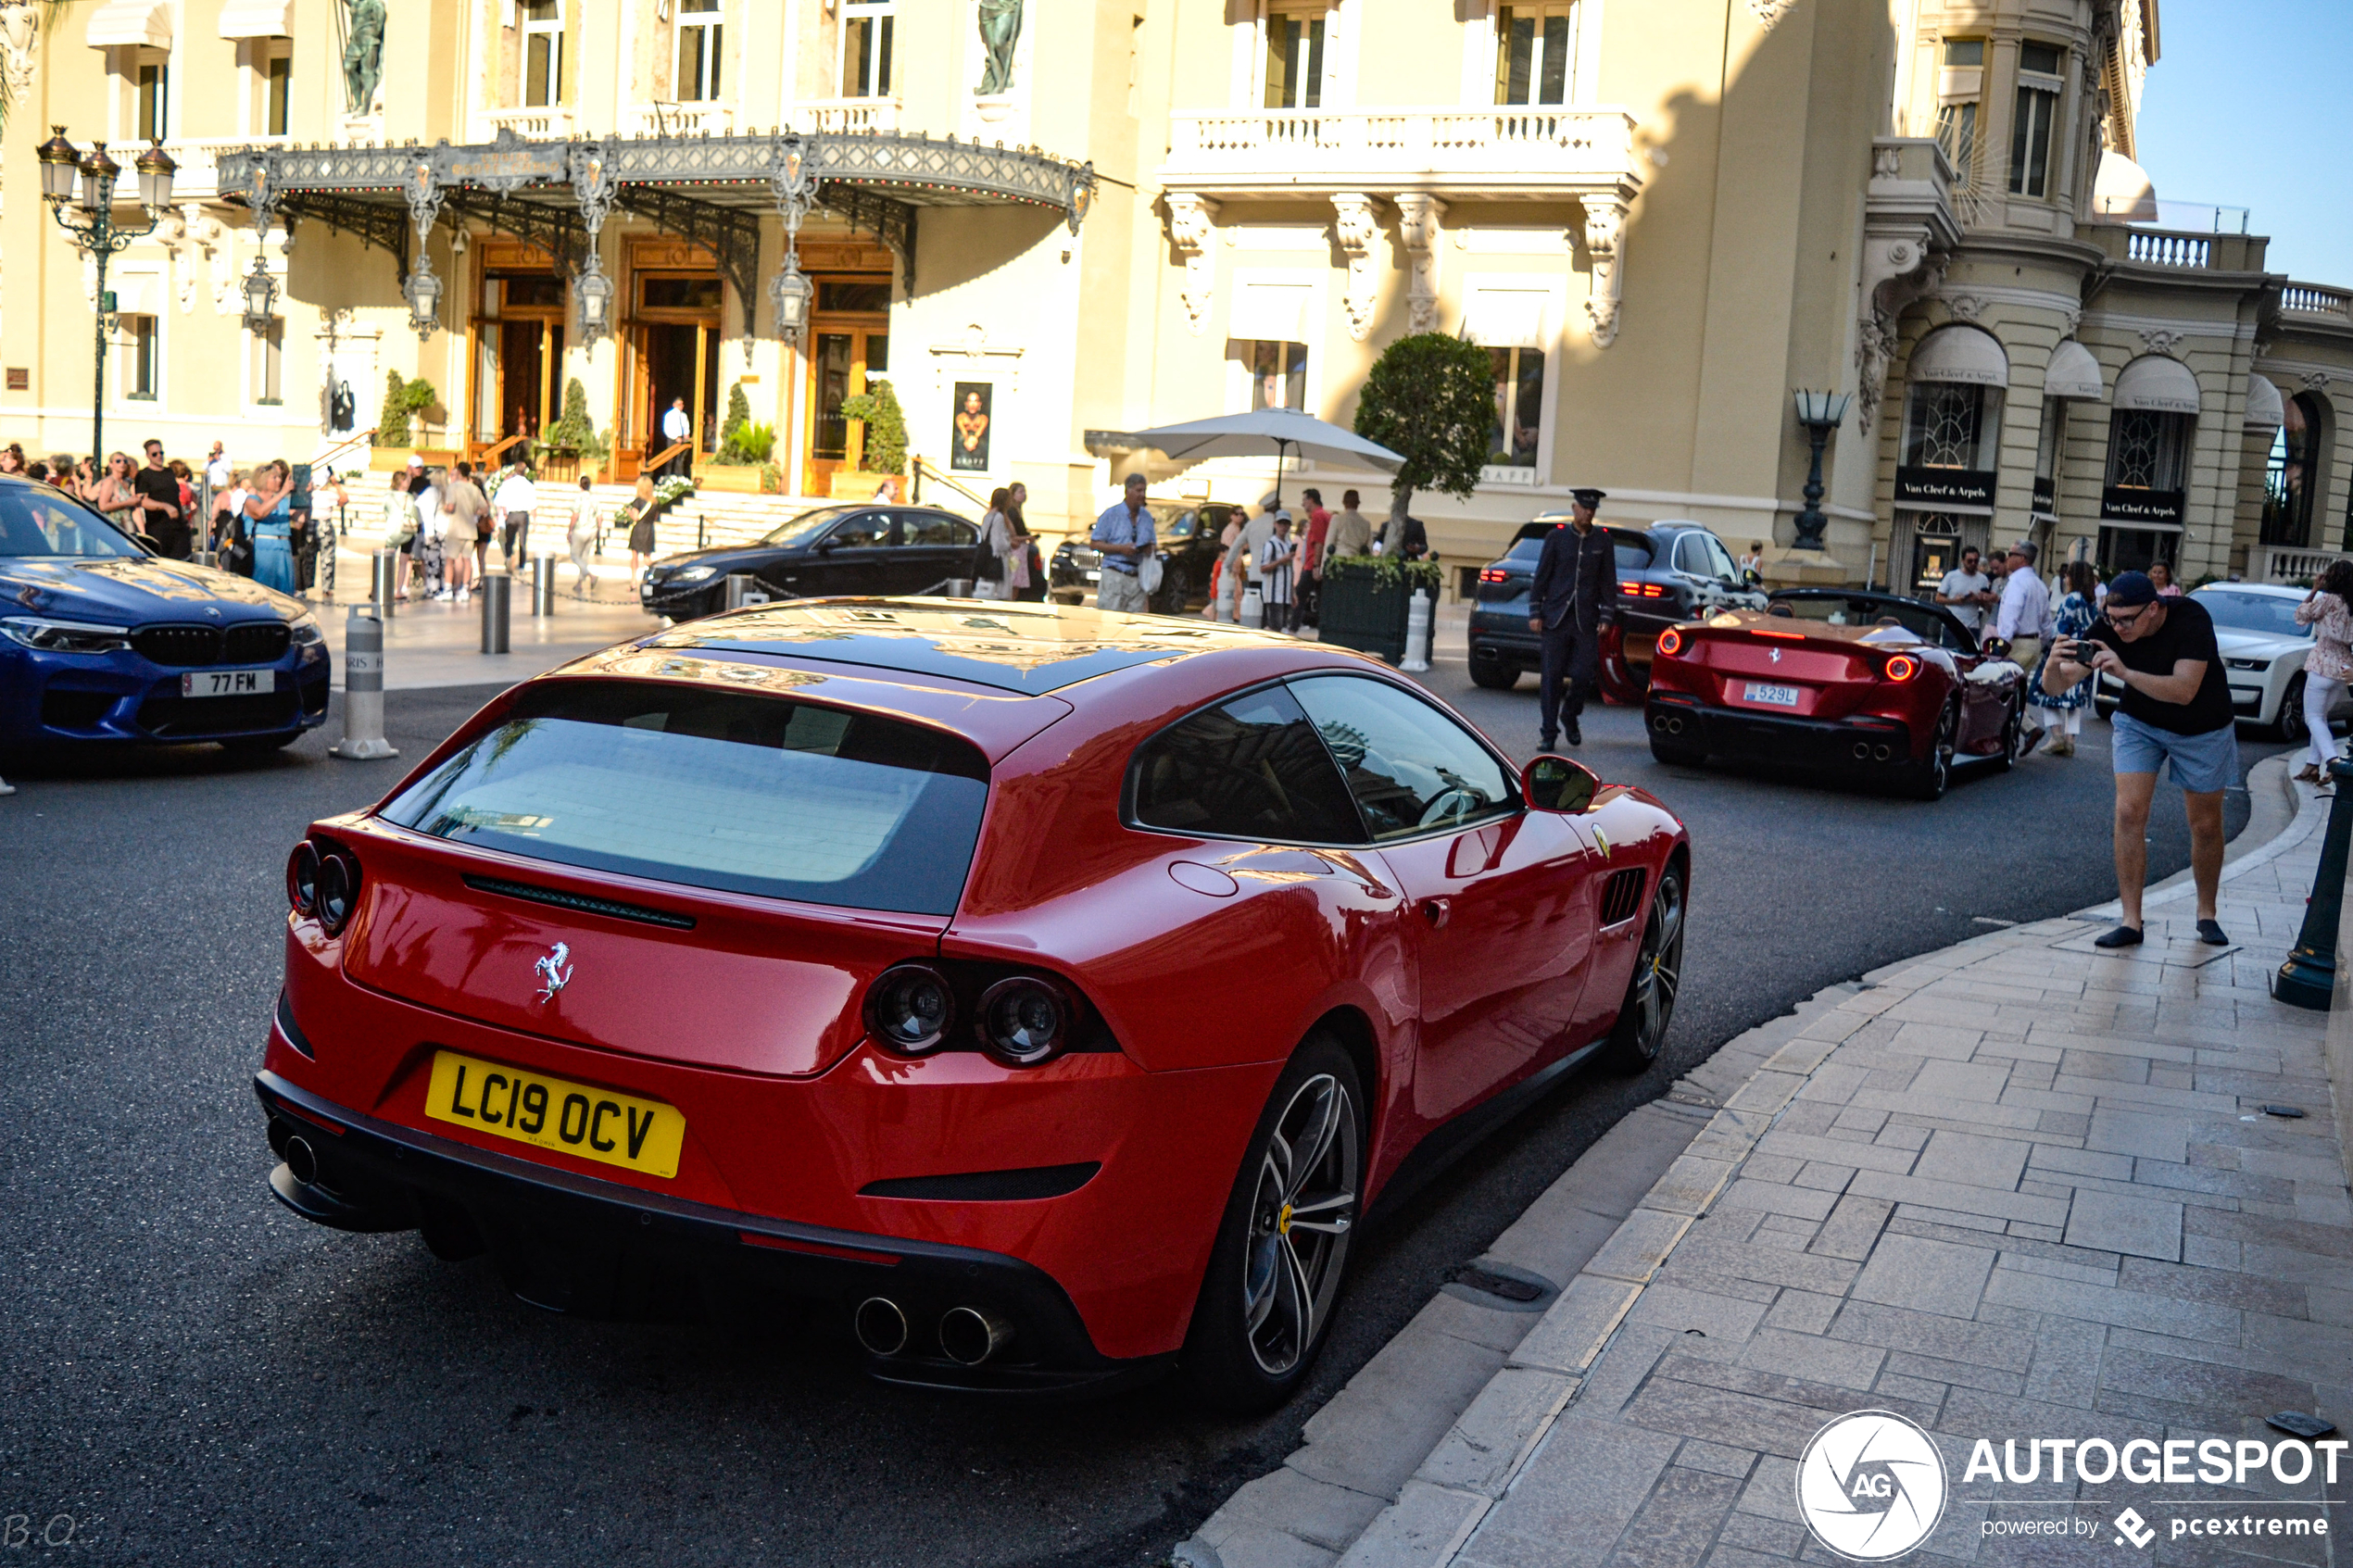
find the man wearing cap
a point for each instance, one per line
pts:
(1124, 534)
(1251, 541)
(1573, 597)
(2175, 709)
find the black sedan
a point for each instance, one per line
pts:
(1667, 573)
(846, 549)
(1189, 534)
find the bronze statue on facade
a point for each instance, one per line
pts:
(1000, 31)
(363, 55)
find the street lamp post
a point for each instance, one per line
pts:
(1820, 413)
(87, 183)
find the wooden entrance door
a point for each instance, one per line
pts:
(670, 339)
(845, 347)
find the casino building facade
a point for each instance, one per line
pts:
(1044, 226)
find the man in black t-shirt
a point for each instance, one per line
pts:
(160, 517)
(2176, 709)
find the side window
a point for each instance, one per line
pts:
(1409, 767)
(1251, 768)
(1178, 527)
(866, 530)
(1719, 559)
(937, 528)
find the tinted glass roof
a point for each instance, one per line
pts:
(1015, 647)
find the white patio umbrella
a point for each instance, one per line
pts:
(1287, 431)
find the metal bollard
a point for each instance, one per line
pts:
(497, 592)
(2309, 977)
(743, 588)
(384, 581)
(7, 788)
(1417, 619)
(363, 688)
(1253, 607)
(543, 585)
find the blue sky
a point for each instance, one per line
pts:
(2245, 107)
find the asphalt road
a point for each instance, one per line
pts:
(193, 1375)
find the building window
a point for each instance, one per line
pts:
(140, 368)
(865, 49)
(1277, 375)
(1295, 61)
(2046, 457)
(1956, 116)
(699, 43)
(1945, 426)
(2146, 447)
(1535, 49)
(2288, 479)
(2040, 83)
(543, 53)
(1520, 406)
(153, 122)
(277, 91)
(269, 354)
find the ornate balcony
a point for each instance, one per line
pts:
(682, 120)
(548, 123)
(848, 116)
(1505, 150)
(2312, 301)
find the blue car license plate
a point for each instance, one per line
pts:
(1779, 696)
(227, 683)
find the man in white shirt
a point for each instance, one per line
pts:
(676, 427)
(2025, 620)
(1966, 591)
(515, 498)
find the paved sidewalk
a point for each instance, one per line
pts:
(2016, 1189)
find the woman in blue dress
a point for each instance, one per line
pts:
(269, 519)
(2063, 716)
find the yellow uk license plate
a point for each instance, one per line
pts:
(548, 1112)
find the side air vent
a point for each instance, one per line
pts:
(1622, 897)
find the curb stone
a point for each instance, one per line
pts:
(1423, 1519)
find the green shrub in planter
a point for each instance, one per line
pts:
(1366, 599)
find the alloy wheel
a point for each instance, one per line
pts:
(1300, 1217)
(1658, 971)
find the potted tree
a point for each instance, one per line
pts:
(1430, 398)
(881, 441)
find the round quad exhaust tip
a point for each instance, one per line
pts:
(972, 1335)
(302, 1161)
(1882, 753)
(881, 1327)
(1862, 751)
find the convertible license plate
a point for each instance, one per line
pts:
(1779, 696)
(227, 683)
(548, 1113)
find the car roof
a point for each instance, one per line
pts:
(1021, 647)
(2269, 590)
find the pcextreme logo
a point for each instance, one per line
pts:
(1870, 1485)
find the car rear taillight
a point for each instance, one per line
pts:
(338, 893)
(302, 878)
(1641, 590)
(1670, 642)
(1024, 1021)
(1903, 667)
(1493, 574)
(910, 1008)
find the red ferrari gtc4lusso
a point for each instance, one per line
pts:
(1868, 684)
(1044, 994)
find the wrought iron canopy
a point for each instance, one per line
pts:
(708, 189)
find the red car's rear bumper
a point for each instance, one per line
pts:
(909, 1180)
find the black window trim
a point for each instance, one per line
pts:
(1128, 818)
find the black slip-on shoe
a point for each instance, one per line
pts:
(2122, 936)
(2211, 933)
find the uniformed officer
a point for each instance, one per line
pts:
(1573, 597)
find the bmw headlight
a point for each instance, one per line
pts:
(64, 636)
(694, 573)
(303, 629)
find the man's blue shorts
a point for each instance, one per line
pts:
(2202, 764)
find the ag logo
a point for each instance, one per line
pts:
(1871, 1486)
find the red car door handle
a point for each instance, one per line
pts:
(1435, 911)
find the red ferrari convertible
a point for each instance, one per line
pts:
(1046, 994)
(1885, 688)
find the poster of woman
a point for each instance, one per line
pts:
(968, 445)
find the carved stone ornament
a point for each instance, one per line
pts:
(1886, 162)
(2074, 318)
(19, 46)
(1771, 11)
(1897, 270)
(2160, 340)
(1606, 242)
(1417, 218)
(1192, 220)
(1965, 307)
(2315, 379)
(1356, 229)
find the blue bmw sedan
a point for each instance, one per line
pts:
(102, 642)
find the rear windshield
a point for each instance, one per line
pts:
(730, 790)
(1633, 550)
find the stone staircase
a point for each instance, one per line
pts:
(701, 520)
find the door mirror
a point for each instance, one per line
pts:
(1555, 783)
(826, 546)
(1751, 577)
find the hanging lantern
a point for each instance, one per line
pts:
(261, 299)
(424, 293)
(790, 291)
